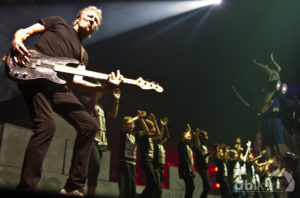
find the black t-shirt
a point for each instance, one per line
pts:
(222, 169)
(159, 155)
(249, 171)
(230, 165)
(186, 165)
(59, 39)
(128, 146)
(201, 158)
(146, 148)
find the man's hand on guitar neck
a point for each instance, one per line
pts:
(115, 79)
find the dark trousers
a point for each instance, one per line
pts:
(258, 194)
(224, 187)
(267, 194)
(1, 132)
(189, 186)
(42, 101)
(160, 178)
(126, 180)
(94, 165)
(205, 181)
(152, 188)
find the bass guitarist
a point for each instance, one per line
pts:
(59, 39)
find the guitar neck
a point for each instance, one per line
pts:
(130, 81)
(87, 73)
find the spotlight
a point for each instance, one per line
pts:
(216, 185)
(281, 87)
(278, 85)
(284, 88)
(216, 2)
(212, 169)
(191, 5)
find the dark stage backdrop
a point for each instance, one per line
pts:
(196, 56)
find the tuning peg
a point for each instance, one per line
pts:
(25, 74)
(17, 73)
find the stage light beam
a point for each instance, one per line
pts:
(134, 15)
(118, 17)
(191, 5)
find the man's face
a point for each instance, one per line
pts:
(187, 137)
(130, 125)
(89, 22)
(221, 153)
(205, 137)
(236, 156)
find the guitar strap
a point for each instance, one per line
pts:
(82, 52)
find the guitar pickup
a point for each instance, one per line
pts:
(33, 65)
(37, 63)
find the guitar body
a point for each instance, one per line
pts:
(45, 67)
(40, 66)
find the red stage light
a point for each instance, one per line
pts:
(215, 185)
(212, 169)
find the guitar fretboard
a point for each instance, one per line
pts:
(87, 73)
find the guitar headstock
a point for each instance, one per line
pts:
(149, 85)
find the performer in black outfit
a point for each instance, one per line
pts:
(100, 145)
(186, 161)
(201, 162)
(146, 148)
(129, 138)
(59, 39)
(220, 159)
(160, 153)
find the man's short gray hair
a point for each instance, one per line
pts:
(90, 8)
